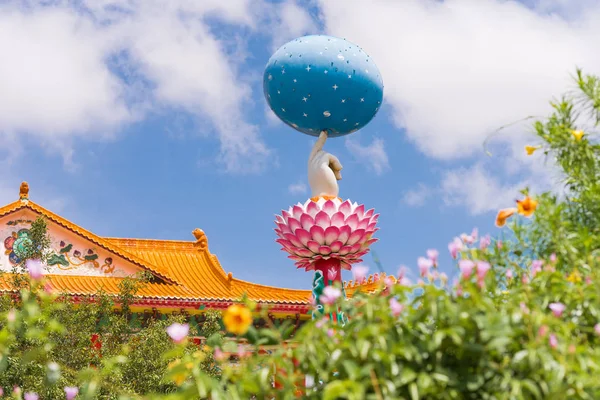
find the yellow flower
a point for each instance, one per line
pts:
(179, 377)
(503, 215)
(575, 277)
(531, 149)
(527, 206)
(237, 319)
(577, 134)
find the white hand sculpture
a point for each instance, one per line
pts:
(323, 170)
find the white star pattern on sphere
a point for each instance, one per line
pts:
(308, 68)
(304, 99)
(345, 119)
(270, 77)
(356, 124)
(349, 76)
(326, 71)
(343, 100)
(283, 109)
(304, 114)
(283, 71)
(335, 87)
(362, 99)
(278, 92)
(295, 81)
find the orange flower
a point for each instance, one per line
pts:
(531, 149)
(237, 319)
(503, 215)
(527, 206)
(577, 134)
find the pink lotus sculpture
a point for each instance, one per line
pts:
(326, 234)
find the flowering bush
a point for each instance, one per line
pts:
(520, 319)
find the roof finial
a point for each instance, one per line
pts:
(201, 240)
(24, 191)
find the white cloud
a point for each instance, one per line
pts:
(418, 196)
(298, 188)
(373, 155)
(68, 73)
(292, 21)
(456, 70)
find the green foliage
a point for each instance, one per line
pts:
(529, 328)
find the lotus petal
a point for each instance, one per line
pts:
(292, 238)
(346, 208)
(344, 234)
(369, 213)
(303, 236)
(317, 234)
(360, 211)
(352, 221)
(336, 246)
(325, 250)
(322, 219)
(337, 219)
(345, 265)
(279, 219)
(283, 227)
(297, 211)
(355, 248)
(285, 243)
(313, 246)
(371, 226)
(312, 209)
(317, 257)
(355, 237)
(375, 218)
(285, 216)
(296, 257)
(293, 224)
(331, 234)
(344, 250)
(329, 207)
(363, 223)
(306, 221)
(302, 252)
(368, 243)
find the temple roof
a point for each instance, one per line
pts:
(186, 271)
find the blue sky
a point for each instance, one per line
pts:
(136, 120)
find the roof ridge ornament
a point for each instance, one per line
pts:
(24, 192)
(201, 239)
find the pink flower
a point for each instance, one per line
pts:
(396, 307)
(588, 280)
(424, 265)
(433, 255)
(12, 315)
(459, 291)
(421, 282)
(330, 332)
(359, 272)
(35, 269)
(467, 238)
(597, 329)
(71, 392)
(553, 257)
(402, 271)
(524, 308)
(543, 331)
(557, 309)
(466, 268)
(482, 269)
(509, 274)
(331, 274)
(536, 266)
(553, 341)
(320, 323)
(1, 391)
(388, 281)
(219, 355)
(404, 281)
(475, 234)
(525, 279)
(455, 247)
(241, 353)
(572, 349)
(499, 244)
(178, 332)
(31, 396)
(484, 242)
(330, 295)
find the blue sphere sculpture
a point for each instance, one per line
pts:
(319, 82)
